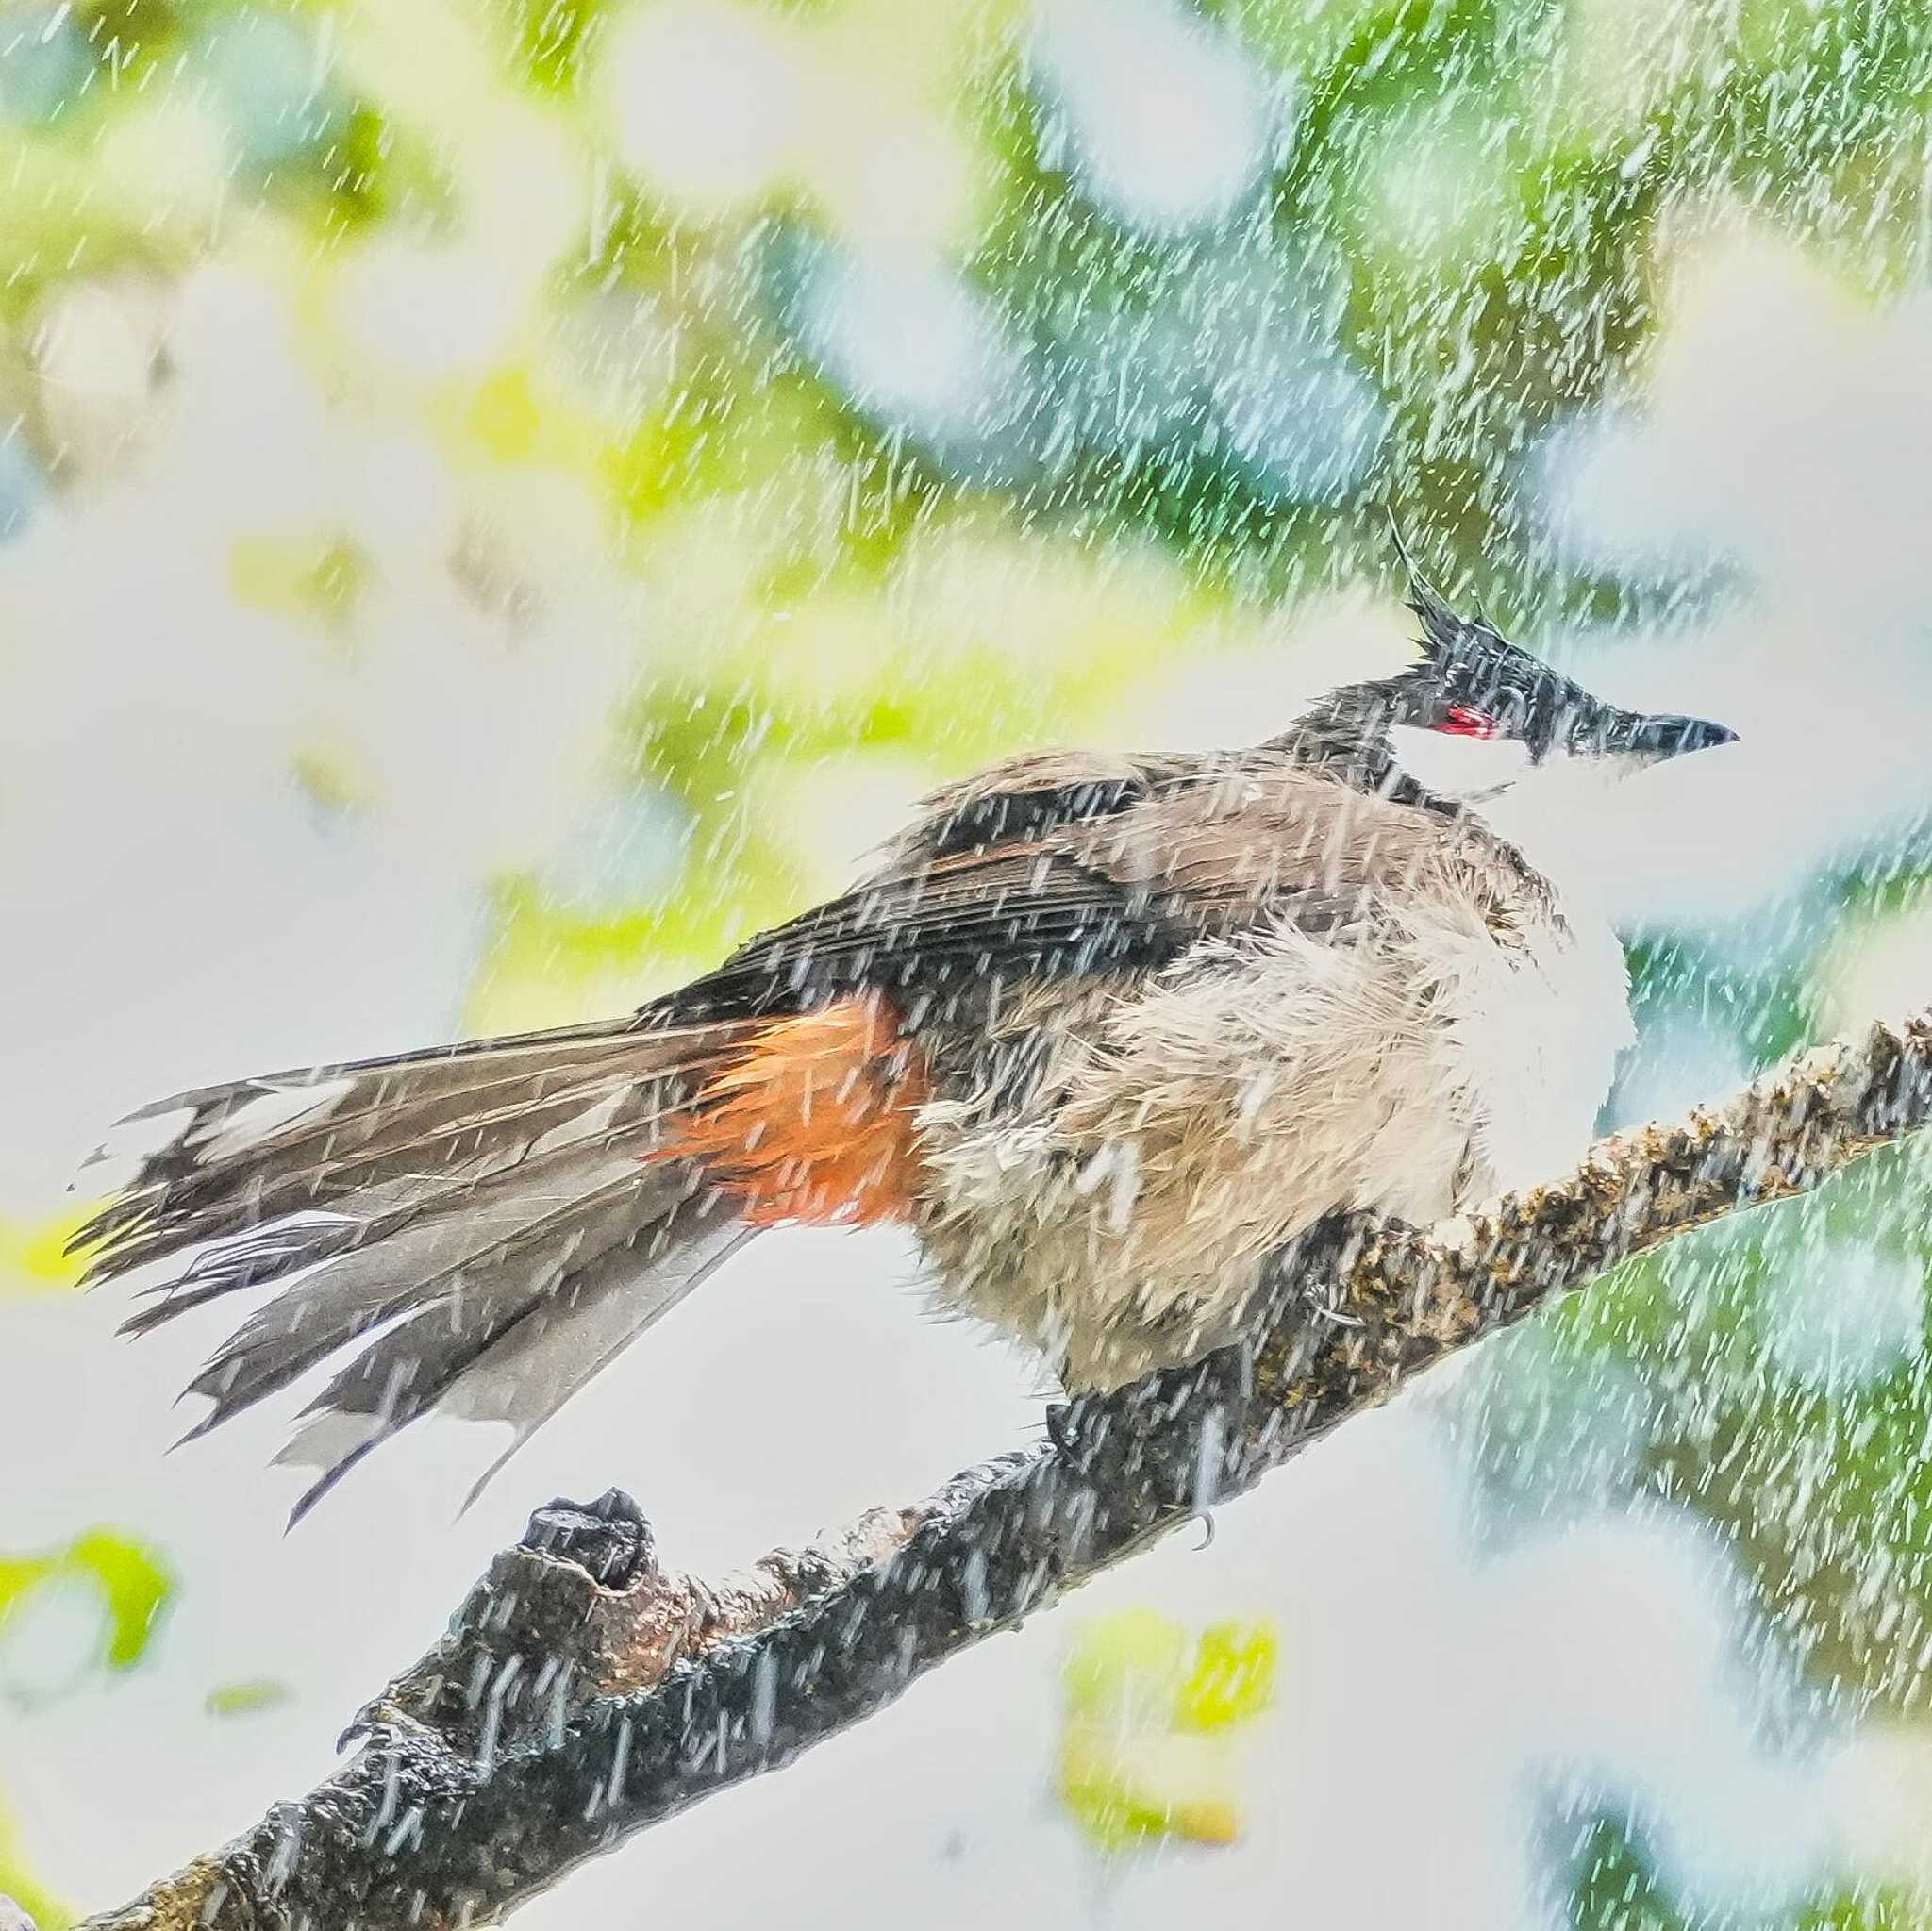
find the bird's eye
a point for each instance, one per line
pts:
(1465, 720)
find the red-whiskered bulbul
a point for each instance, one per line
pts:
(1104, 1032)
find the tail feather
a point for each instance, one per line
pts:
(423, 1070)
(491, 1225)
(527, 1376)
(208, 1182)
(281, 1249)
(230, 1127)
(461, 1260)
(511, 1355)
(435, 1167)
(321, 1162)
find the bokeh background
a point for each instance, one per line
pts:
(498, 501)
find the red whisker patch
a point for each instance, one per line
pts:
(1464, 720)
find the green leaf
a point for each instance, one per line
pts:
(133, 1584)
(247, 1697)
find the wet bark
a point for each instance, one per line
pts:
(583, 1691)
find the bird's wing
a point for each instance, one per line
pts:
(1031, 796)
(1116, 870)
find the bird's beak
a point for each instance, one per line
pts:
(1653, 738)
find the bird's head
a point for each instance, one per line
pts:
(1475, 715)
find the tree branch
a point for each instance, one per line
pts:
(583, 1693)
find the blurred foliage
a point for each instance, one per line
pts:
(48, 1912)
(1811, 1461)
(1465, 199)
(1616, 1892)
(1152, 1716)
(247, 1698)
(127, 1576)
(132, 1587)
(34, 1255)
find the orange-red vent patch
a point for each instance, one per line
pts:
(813, 1122)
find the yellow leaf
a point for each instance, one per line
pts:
(1233, 1678)
(1150, 1743)
(503, 416)
(1123, 1790)
(1135, 1659)
(36, 1251)
(518, 414)
(313, 577)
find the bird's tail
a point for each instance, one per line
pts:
(494, 1222)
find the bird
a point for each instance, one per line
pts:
(1104, 1032)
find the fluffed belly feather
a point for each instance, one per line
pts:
(1120, 1216)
